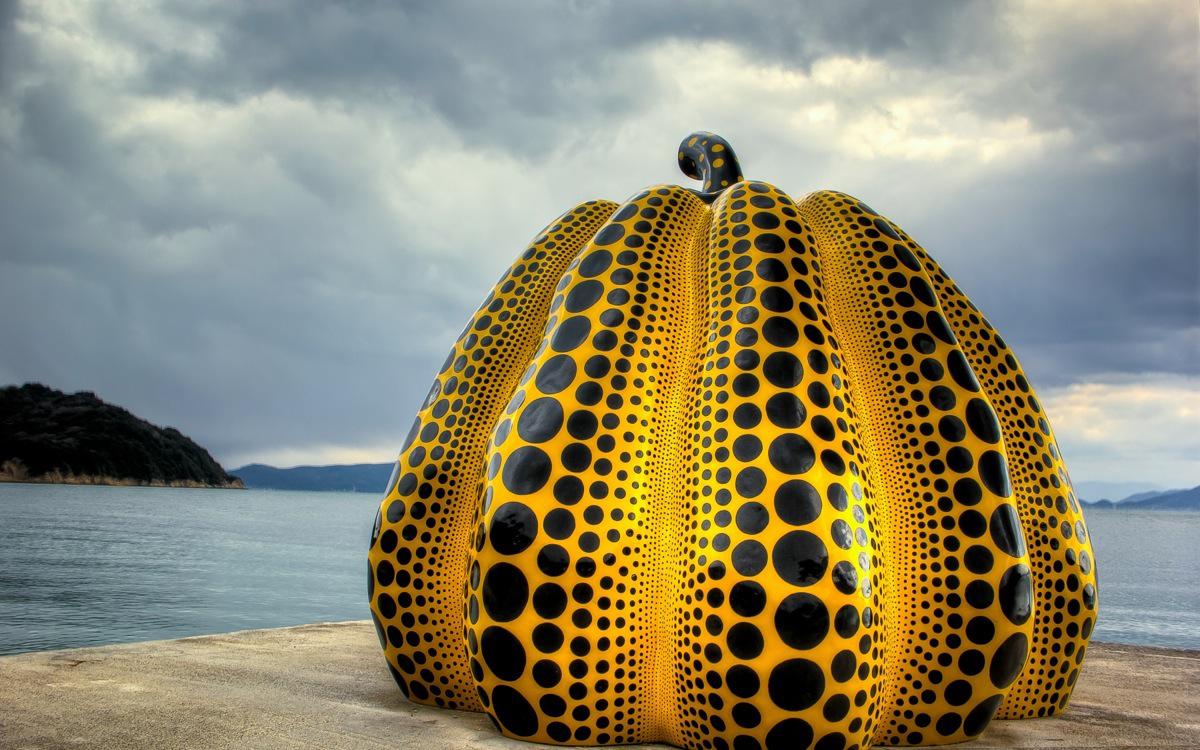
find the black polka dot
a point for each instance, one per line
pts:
(750, 482)
(505, 592)
(745, 641)
(980, 716)
(559, 523)
(797, 502)
(595, 263)
(749, 558)
(1016, 594)
(526, 470)
(514, 712)
(752, 518)
(791, 454)
(541, 420)
(513, 528)
(982, 421)
(958, 692)
(783, 369)
(1009, 660)
(802, 620)
(503, 653)
(570, 333)
(786, 411)
(568, 490)
(747, 598)
(584, 295)
(549, 599)
(796, 684)
(961, 371)
(967, 491)
(556, 374)
(846, 621)
(781, 332)
(800, 558)
(789, 734)
(610, 234)
(994, 472)
(742, 681)
(1006, 530)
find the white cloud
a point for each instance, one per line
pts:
(1133, 427)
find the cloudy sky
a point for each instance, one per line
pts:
(264, 223)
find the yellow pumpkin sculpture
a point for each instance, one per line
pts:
(723, 470)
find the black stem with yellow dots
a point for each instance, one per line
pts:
(709, 157)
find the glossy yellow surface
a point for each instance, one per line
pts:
(747, 475)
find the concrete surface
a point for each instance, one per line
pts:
(325, 686)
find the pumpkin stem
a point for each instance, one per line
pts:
(709, 157)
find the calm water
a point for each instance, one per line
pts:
(89, 565)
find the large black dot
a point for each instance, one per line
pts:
(505, 592)
(1009, 660)
(1006, 530)
(783, 369)
(797, 502)
(789, 734)
(570, 333)
(513, 528)
(980, 716)
(750, 482)
(1016, 593)
(749, 558)
(742, 681)
(791, 454)
(747, 598)
(514, 712)
(595, 263)
(745, 641)
(802, 620)
(541, 420)
(609, 234)
(780, 331)
(800, 558)
(796, 684)
(550, 599)
(584, 295)
(526, 470)
(556, 374)
(785, 410)
(967, 491)
(982, 421)
(961, 371)
(752, 518)
(503, 653)
(993, 470)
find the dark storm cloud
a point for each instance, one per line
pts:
(215, 213)
(523, 75)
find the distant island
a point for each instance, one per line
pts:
(50, 436)
(341, 478)
(1188, 499)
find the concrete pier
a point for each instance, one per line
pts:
(325, 686)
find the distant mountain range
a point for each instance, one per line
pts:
(343, 478)
(373, 478)
(1188, 499)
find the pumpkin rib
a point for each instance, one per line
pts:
(939, 454)
(418, 555)
(1064, 575)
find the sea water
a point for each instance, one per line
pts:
(82, 566)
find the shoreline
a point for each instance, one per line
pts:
(104, 481)
(326, 685)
